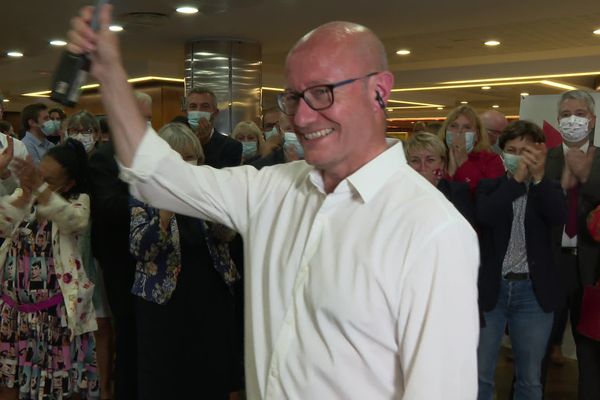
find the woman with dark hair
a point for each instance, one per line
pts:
(55, 316)
(519, 284)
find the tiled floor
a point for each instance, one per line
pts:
(560, 385)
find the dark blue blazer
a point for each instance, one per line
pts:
(546, 208)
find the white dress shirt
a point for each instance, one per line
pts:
(566, 240)
(369, 292)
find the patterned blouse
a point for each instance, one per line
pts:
(70, 219)
(158, 253)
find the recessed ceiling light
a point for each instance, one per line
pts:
(597, 32)
(486, 87)
(464, 102)
(440, 108)
(58, 43)
(524, 94)
(403, 52)
(495, 106)
(5, 100)
(14, 54)
(186, 10)
(492, 43)
(115, 28)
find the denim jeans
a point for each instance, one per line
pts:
(529, 329)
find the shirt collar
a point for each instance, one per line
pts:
(35, 140)
(371, 177)
(584, 147)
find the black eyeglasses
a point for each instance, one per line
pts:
(317, 97)
(75, 131)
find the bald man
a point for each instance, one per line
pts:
(494, 122)
(360, 276)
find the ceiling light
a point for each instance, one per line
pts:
(440, 108)
(403, 52)
(486, 87)
(14, 54)
(5, 100)
(558, 85)
(115, 28)
(516, 78)
(464, 102)
(58, 43)
(492, 43)
(524, 94)
(186, 10)
(597, 32)
(495, 106)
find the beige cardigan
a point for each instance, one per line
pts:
(70, 219)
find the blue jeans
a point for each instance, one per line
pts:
(529, 329)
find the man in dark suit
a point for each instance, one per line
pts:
(220, 150)
(576, 163)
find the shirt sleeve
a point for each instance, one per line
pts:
(438, 324)
(158, 176)
(70, 216)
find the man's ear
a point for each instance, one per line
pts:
(384, 82)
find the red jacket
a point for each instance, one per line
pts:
(481, 164)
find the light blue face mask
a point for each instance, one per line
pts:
(271, 133)
(195, 116)
(469, 140)
(249, 149)
(50, 127)
(290, 140)
(511, 162)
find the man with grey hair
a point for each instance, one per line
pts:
(219, 149)
(576, 164)
(494, 122)
(361, 278)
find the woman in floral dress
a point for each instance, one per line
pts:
(47, 348)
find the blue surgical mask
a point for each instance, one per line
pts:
(249, 149)
(469, 140)
(271, 133)
(290, 140)
(511, 162)
(50, 127)
(195, 116)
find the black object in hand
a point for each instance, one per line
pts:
(70, 75)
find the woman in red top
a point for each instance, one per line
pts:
(469, 158)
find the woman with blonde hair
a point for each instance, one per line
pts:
(250, 135)
(426, 154)
(469, 155)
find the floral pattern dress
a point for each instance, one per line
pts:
(40, 355)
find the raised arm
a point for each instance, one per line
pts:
(126, 122)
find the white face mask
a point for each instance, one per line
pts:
(574, 128)
(195, 116)
(87, 141)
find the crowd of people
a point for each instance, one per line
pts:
(310, 257)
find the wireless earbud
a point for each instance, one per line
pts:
(379, 100)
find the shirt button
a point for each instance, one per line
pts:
(274, 373)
